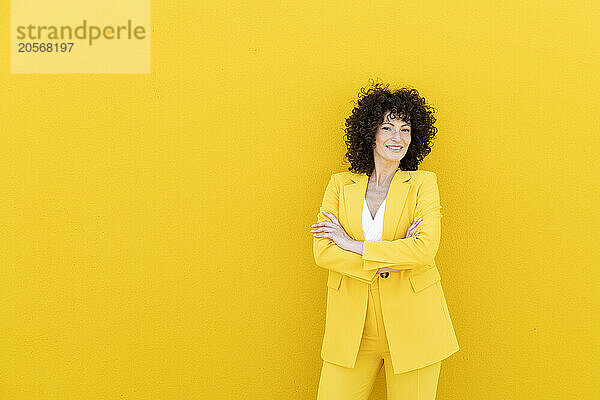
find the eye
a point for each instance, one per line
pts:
(385, 127)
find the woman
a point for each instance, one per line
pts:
(377, 232)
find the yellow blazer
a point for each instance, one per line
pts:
(415, 314)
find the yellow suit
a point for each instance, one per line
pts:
(417, 321)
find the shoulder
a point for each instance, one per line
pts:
(422, 179)
(422, 174)
(425, 182)
(342, 177)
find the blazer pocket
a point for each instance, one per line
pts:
(334, 279)
(424, 279)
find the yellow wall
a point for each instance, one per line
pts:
(155, 237)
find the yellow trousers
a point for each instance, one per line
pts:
(341, 383)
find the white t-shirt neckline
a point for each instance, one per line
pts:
(373, 227)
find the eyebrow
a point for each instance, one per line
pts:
(393, 124)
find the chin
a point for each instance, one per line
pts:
(397, 156)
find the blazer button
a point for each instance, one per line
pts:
(384, 274)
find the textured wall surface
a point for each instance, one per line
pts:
(155, 228)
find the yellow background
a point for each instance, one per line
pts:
(155, 237)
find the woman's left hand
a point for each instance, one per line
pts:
(333, 230)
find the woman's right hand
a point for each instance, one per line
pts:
(412, 231)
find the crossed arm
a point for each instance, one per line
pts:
(405, 253)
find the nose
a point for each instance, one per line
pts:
(397, 136)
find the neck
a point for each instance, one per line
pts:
(383, 173)
(381, 178)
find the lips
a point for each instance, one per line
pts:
(395, 148)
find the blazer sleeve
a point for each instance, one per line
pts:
(415, 251)
(327, 253)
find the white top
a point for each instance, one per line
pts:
(373, 227)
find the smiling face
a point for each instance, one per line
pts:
(392, 139)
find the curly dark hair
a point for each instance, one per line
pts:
(362, 124)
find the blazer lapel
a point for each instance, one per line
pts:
(354, 196)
